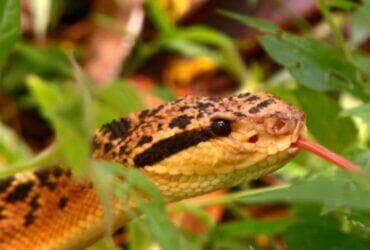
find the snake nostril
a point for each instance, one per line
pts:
(279, 124)
(253, 139)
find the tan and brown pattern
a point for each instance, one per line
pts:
(187, 147)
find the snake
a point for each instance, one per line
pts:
(188, 147)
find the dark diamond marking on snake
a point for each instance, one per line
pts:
(118, 129)
(122, 150)
(143, 114)
(29, 219)
(156, 110)
(57, 172)
(159, 126)
(200, 115)
(43, 175)
(2, 216)
(63, 202)
(159, 117)
(203, 105)
(34, 203)
(239, 114)
(181, 121)
(20, 192)
(5, 183)
(144, 139)
(183, 108)
(178, 100)
(172, 145)
(107, 147)
(261, 105)
(252, 98)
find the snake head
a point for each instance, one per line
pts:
(195, 145)
(211, 143)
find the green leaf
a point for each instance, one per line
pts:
(138, 236)
(205, 35)
(249, 228)
(324, 121)
(165, 93)
(12, 148)
(315, 64)
(159, 16)
(155, 210)
(64, 109)
(362, 62)
(9, 27)
(50, 63)
(251, 21)
(116, 100)
(149, 200)
(47, 95)
(362, 111)
(314, 231)
(190, 48)
(49, 59)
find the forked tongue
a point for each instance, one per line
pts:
(328, 155)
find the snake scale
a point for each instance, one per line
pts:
(187, 147)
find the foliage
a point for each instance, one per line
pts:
(9, 27)
(329, 208)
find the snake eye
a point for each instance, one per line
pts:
(221, 127)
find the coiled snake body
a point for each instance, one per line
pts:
(187, 147)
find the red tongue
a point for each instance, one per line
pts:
(326, 154)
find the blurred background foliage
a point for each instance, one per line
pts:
(67, 67)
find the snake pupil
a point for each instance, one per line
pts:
(221, 127)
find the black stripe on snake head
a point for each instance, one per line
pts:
(171, 145)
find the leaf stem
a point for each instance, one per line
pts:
(234, 196)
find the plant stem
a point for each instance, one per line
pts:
(45, 157)
(236, 196)
(335, 30)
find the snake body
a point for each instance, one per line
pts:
(187, 147)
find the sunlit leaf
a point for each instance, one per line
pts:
(362, 111)
(42, 11)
